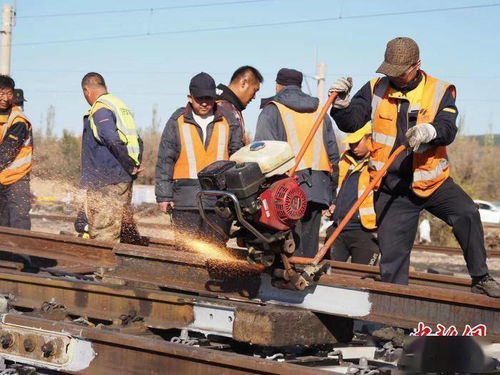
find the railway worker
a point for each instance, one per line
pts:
(195, 136)
(111, 158)
(288, 116)
(357, 240)
(234, 98)
(16, 150)
(409, 107)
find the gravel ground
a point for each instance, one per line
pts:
(422, 260)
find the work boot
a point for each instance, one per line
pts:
(486, 285)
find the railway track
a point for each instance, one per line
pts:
(428, 298)
(492, 253)
(76, 318)
(127, 303)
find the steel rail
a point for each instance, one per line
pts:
(429, 298)
(365, 299)
(451, 250)
(166, 227)
(114, 352)
(71, 219)
(100, 254)
(94, 254)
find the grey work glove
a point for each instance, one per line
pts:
(420, 133)
(343, 86)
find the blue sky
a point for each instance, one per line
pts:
(460, 46)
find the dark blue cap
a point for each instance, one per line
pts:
(202, 85)
(289, 77)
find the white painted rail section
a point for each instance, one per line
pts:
(320, 298)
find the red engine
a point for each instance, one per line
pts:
(283, 204)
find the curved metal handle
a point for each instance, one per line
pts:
(237, 209)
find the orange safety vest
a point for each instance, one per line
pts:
(430, 167)
(193, 156)
(22, 164)
(347, 166)
(297, 127)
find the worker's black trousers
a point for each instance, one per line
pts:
(397, 217)
(307, 229)
(359, 245)
(188, 224)
(15, 204)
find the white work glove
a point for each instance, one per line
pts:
(343, 86)
(421, 133)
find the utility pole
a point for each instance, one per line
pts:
(6, 38)
(320, 77)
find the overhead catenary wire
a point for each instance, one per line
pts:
(258, 25)
(141, 10)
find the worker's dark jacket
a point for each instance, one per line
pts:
(400, 174)
(230, 103)
(319, 186)
(183, 191)
(106, 162)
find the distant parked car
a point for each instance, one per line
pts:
(490, 212)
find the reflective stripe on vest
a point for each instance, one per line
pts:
(379, 91)
(377, 165)
(297, 126)
(292, 137)
(430, 166)
(22, 164)
(439, 91)
(125, 124)
(221, 142)
(383, 139)
(421, 175)
(193, 156)
(19, 162)
(347, 166)
(366, 211)
(381, 87)
(189, 149)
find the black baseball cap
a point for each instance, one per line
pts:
(202, 85)
(19, 97)
(289, 77)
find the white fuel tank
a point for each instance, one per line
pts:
(273, 157)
